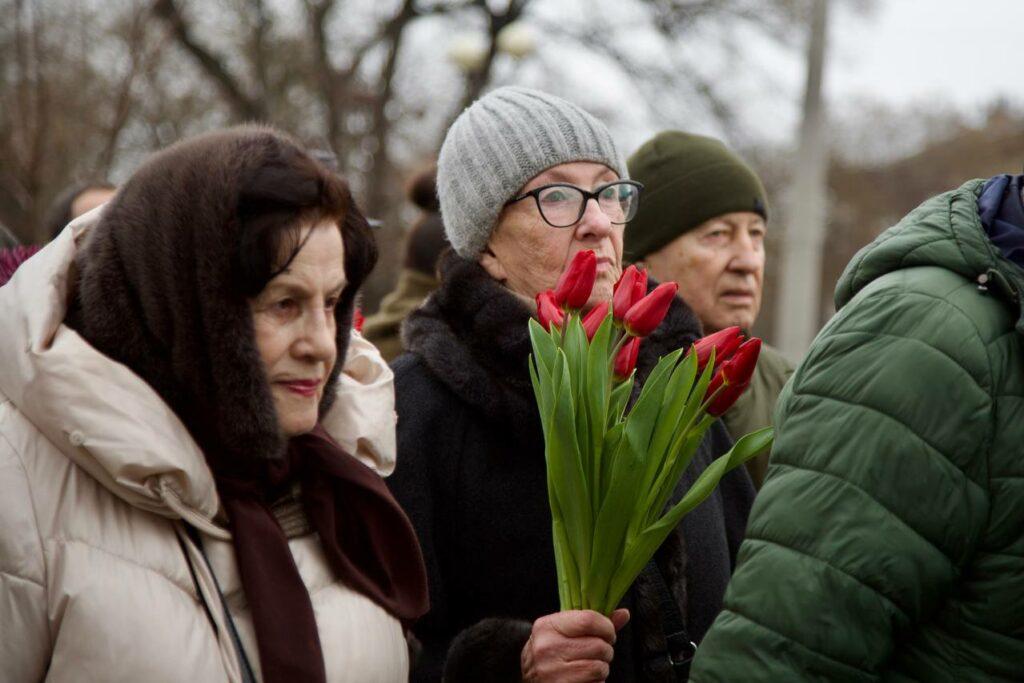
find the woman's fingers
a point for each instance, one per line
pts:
(552, 646)
(620, 618)
(580, 623)
(588, 671)
(589, 648)
(558, 671)
(571, 646)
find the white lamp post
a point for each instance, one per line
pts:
(469, 50)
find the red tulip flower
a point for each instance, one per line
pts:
(625, 360)
(645, 315)
(548, 312)
(733, 377)
(577, 282)
(630, 288)
(358, 319)
(592, 321)
(724, 342)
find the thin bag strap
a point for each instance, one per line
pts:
(679, 648)
(243, 660)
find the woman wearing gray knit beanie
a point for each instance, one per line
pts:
(516, 176)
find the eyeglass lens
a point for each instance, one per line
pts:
(562, 205)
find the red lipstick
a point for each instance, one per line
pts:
(302, 387)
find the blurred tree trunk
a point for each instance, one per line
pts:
(381, 173)
(799, 304)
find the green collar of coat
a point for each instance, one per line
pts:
(944, 231)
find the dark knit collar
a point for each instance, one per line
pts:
(472, 334)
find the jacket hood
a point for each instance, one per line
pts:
(945, 231)
(110, 422)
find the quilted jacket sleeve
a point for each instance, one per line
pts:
(24, 631)
(871, 504)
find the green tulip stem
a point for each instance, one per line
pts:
(620, 340)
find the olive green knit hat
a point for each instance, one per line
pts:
(687, 179)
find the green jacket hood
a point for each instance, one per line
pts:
(944, 231)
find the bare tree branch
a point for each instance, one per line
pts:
(478, 79)
(139, 56)
(244, 105)
(381, 126)
(257, 49)
(326, 75)
(337, 87)
(655, 79)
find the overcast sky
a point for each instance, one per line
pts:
(906, 54)
(967, 51)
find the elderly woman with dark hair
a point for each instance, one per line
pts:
(192, 438)
(526, 180)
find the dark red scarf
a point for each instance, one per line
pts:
(369, 542)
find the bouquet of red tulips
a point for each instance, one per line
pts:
(614, 463)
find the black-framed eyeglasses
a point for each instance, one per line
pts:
(562, 205)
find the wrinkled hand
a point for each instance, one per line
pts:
(571, 647)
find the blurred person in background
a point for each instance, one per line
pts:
(418, 277)
(888, 541)
(192, 441)
(527, 180)
(76, 201)
(11, 259)
(702, 224)
(7, 238)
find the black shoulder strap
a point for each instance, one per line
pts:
(243, 660)
(680, 649)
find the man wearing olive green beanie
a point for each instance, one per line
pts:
(702, 224)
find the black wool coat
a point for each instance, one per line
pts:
(471, 476)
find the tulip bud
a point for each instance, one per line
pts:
(548, 312)
(630, 288)
(639, 287)
(625, 360)
(577, 281)
(724, 342)
(733, 377)
(645, 315)
(593, 320)
(728, 395)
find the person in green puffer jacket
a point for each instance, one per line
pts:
(888, 541)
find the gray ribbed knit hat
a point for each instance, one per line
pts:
(498, 144)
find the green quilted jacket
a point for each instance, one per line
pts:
(888, 541)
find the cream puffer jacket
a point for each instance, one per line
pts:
(99, 580)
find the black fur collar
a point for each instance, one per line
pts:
(472, 333)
